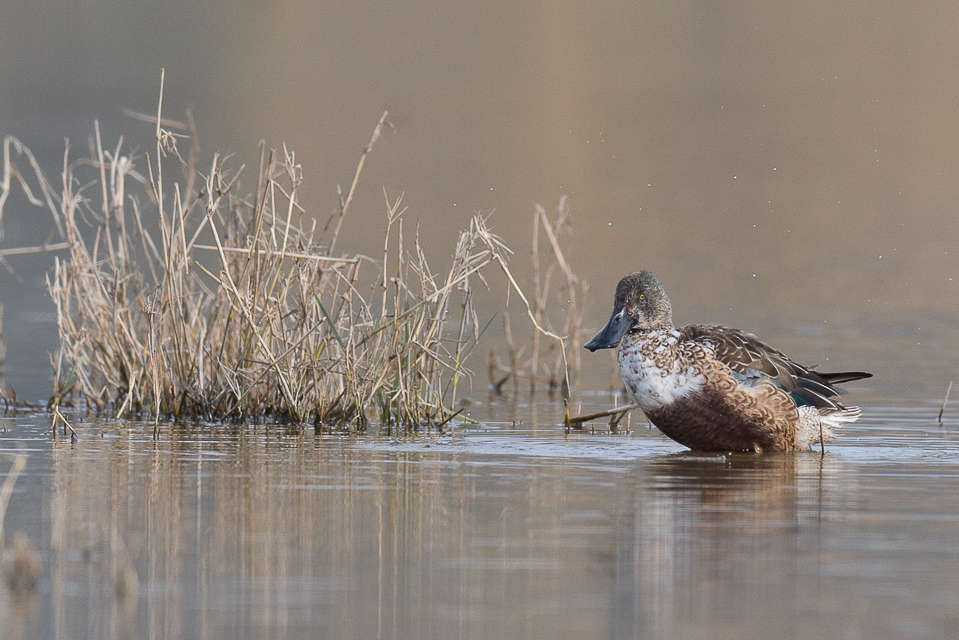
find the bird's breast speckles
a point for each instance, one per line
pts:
(657, 371)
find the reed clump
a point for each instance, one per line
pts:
(233, 309)
(199, 302)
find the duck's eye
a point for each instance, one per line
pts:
(642, 297)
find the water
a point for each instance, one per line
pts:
(785, 168)
(498, 530)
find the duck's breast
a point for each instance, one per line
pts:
(656, 374)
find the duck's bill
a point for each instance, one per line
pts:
(610, 335)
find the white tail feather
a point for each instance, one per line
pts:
(818, 424)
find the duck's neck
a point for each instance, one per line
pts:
(637, 338)
(658, 327)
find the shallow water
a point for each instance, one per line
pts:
(499, 530)
(786, 168)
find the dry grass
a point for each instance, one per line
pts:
(197, 302)
(945, 401)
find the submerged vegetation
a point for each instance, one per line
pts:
(201, 302)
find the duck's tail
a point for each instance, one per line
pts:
(843, 376)
(816, 424)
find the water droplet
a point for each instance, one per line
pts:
(609, 224)
(774, 169)
(454, 204)
(735, 177)
(492, 188)
(650, 185)
(755, 275)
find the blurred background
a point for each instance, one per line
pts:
(789, 168)
(785, 167)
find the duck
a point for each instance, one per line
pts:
(715, 388)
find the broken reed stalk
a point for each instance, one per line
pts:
(616, 413)
(193, 301)
(39, 194)
(41, 248)
(945, 401)
(58, 419)
(12, 150)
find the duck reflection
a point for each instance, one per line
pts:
(698, 529)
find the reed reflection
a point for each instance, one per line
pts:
(244, 534)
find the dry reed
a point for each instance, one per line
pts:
(945, 401)
(615, 415)
(557, 301)
(197, 302)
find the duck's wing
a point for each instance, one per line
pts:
(748, 356)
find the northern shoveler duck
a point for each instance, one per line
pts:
(713, 388)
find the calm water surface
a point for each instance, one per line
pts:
(500, 530)
(787, 168)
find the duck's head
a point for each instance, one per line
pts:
(641, 304)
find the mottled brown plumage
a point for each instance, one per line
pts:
(744, 353)
(714, 388)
